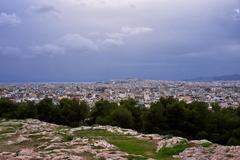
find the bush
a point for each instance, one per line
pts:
(202, 135)
(67, 137)
(170, 151)
(206, 144)
(121, 117)
(233, 141)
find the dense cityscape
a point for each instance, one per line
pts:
(145, 92)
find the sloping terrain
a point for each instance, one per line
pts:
(33, 139)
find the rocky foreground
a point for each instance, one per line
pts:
(35, 140)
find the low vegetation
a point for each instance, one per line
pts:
(207, 144)
(138, 149)
(68, 137)
(127, 144)
(168, 152)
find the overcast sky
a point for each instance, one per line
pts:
(94, 40)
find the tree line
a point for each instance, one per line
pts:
(166, 116)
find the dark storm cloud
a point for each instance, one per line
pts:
(155, 39)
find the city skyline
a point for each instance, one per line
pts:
(91, 40)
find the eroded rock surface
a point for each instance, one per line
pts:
(32, 139)
(215, 152)
(40, 140)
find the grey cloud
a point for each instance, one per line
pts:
(107, 3)
(76, 42)
(132, 5)
(116, 35)
(136, 30)
(118, 38)
(231, 48)
(227, 51)
(9, 19)
(129, 31)
(48, 49)
(9, 51)
(44, 9)
(116, 42)
(217, 52)
(236, 14)
(70, 43)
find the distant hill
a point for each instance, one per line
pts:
(233, 77)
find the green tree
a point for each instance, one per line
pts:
(8, 108)
(121, 117)
(101, 111)
(27, 110)
(155, 119)
(136, 111)
(45, 110)
(73, 112)
(233, 141)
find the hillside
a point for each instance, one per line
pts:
(33, 139)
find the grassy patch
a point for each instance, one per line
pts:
(67, 137)
(4, 130)
(35, 136)
(9, 127)
(170, 151)
(13, 124)
(61, 127)
(133, 157)
(129, 144)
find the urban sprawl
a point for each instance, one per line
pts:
(226, 93)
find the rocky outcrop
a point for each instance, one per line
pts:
(215, 152)
(41, 140)
(33, 139)
(112, 129)
(170, 142)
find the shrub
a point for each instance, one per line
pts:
(206, 144)
(67, 137)
(170, 151)
(233, 141)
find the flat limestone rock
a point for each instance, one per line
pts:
(41, 140)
